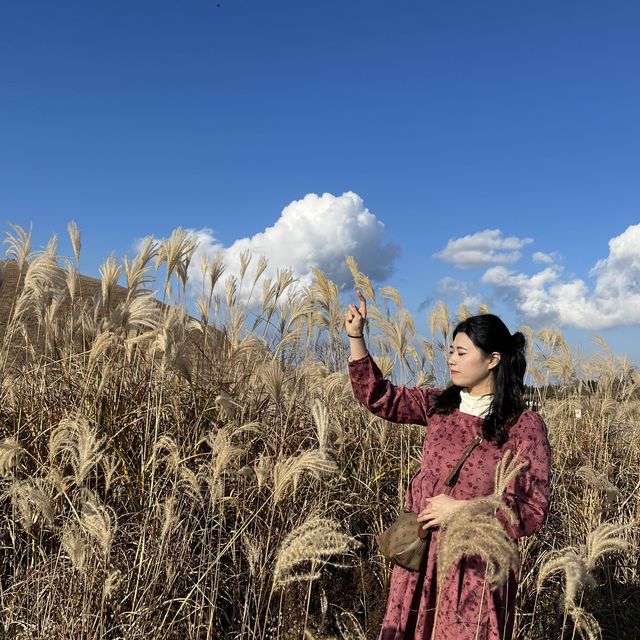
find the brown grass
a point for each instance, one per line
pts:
(165, 476)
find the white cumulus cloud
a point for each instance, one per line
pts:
(482, 248)
(315, 231)
(613, 300)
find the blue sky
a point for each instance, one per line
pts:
(502, 137)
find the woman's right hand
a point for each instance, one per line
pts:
(356, 317)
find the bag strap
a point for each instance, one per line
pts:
(452, 478)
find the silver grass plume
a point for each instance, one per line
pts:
(188, 484)
(112, 582)
(254, 553)
(74, 235)
(322, 421)
(30, 501)
(600, 482)
(263, 468)
(361, 281)
(10, 452)
(75, 544)
(260, 268)
(245, 259)
(578, 564)
(136, 271)
(19, 245)
(76, 442)
(110, 272)
(391, 293)
(313, 541)
(135, 313)
(170, 517)
(474, 529)
(176, 253)
(585, 623)
(172, 457)
(287, 471)
(577, 577)
(216, 269)
(44, 280)
(603, 540)
(100, 522)
(462, 312)
(227, 405)
(230, 291)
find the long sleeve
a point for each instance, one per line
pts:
(528, 495)
(401, 404)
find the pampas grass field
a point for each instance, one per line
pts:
(169, 476)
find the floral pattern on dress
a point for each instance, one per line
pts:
(467, 608)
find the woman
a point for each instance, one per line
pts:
(487, 368)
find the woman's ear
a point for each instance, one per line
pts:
(495, 358)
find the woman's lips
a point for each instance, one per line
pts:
(452, 371)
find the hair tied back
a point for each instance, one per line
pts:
(518, 341)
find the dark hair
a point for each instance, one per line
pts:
(488, 333)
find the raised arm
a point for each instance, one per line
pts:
(405, 405)
(528, 495)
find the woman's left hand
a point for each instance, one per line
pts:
(438, 509)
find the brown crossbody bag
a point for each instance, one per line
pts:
(405, 541)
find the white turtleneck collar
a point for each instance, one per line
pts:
(477, 406)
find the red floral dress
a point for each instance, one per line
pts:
(468, 609)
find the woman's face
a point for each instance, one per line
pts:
(468, 367)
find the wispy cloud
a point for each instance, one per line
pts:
(545, 258)
(482, 248)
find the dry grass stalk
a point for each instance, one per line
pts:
(170, 517)
(349, 627)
